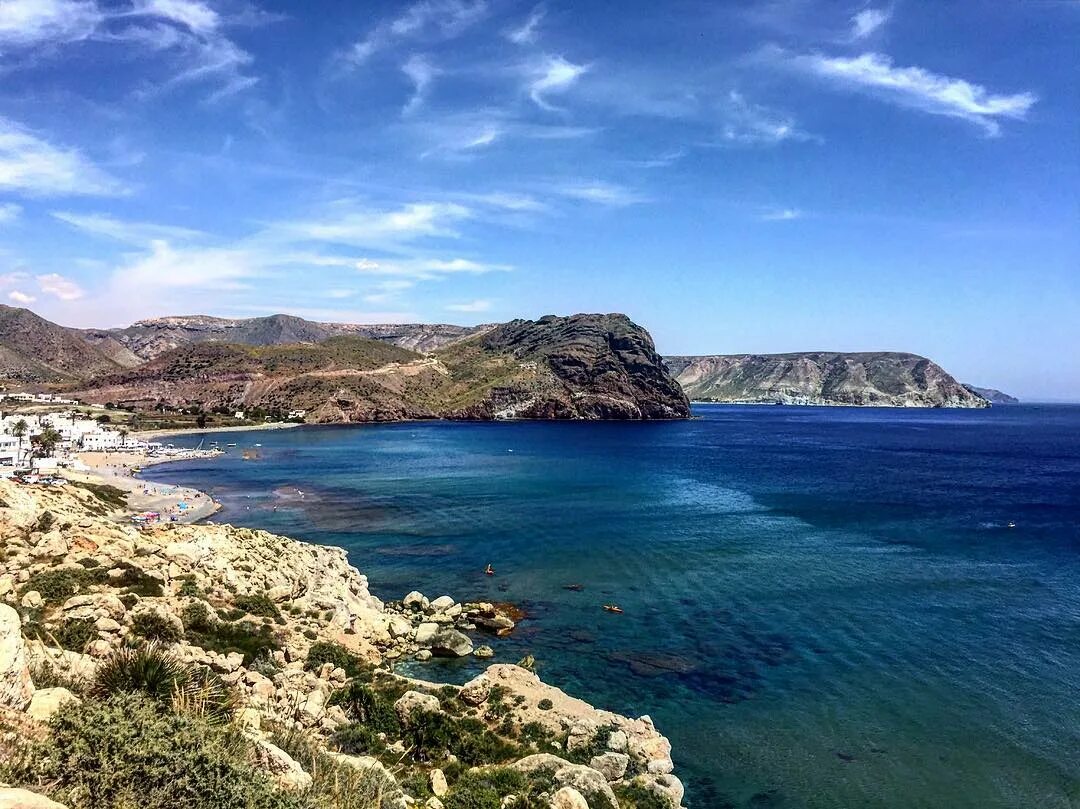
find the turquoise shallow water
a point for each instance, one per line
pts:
(825, 607)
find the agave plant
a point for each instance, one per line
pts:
(152, 670)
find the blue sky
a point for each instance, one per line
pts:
(738, 177)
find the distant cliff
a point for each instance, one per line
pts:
(579, 367)
(992, 395)
(881, 379)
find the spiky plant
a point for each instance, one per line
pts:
(147, 668)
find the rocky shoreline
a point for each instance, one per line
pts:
(290, 627)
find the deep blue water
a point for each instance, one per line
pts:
(824, 607)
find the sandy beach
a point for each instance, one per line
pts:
(174, 503)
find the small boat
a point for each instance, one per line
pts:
(613, 608)
(489, 570)
(577, 588)
(1011, 524)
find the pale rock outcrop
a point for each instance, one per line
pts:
(578, 776)
(450, 643)
(612, 765)
(47, 701)
(413, 702)
(437, 782)
(16, 686)
(568, 798)
(24, 799)
(280, 766)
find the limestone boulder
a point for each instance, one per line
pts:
(24, 799)
(584, 779)
(413, 703)
(280, 766)
(568, 798)
(47, 701)
(612, 765)
(450, 643)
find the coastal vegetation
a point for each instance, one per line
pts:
(209, 666)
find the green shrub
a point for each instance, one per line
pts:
(432, 735)
(485, 789)
(258, 605)
(112, 496)
(152, 625)
(367, 706)
(357, 739)
(189, 589)
(250, 640)
(597, 744)
(138, 581)
(127, 751)
(545, 704)
(635, 796)
(75, 634)
(57, 585)
(325, 651)
(196, 617)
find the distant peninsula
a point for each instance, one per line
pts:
(992, 395)
(868, 379)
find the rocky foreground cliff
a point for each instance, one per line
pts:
(133, 661)
(877, 379)
(588, 366)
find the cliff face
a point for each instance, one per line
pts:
(881, 379)
(579, 367)
(149, 339)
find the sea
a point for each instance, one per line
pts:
(822, 607)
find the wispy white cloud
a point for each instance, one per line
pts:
(551, 76)
(191, 32)
(31, 165)
(26, 23)
(421, 73)
(138, 233)
(602, 193)
(526, 33)
(192, 14)
(9, 212)
(59, 286)
(782, 215)
(479, 305)
(21, 298)
(867, 21)
(427, 20)
(378, 228)
(743, 123)
(917, 88)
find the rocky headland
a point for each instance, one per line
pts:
(288, 638)
(584, 366)
(867, 379)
